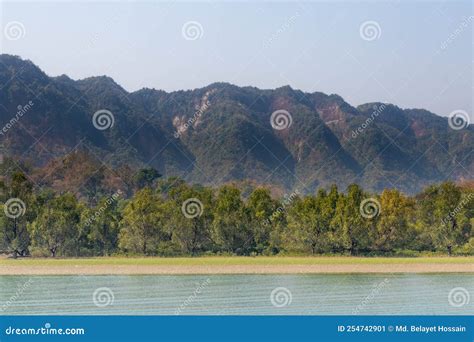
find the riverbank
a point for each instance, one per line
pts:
(234, 265)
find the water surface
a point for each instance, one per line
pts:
(322, 294)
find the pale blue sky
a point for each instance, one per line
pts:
(422, 58)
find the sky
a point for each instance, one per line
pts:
(416, 54)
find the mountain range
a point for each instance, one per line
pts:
(222, 133)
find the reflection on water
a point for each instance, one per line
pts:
(350, 294)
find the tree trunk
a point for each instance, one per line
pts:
(352, 248)
(193, 242)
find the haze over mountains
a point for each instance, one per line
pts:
(222, 132)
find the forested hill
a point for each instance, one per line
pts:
(223, 133)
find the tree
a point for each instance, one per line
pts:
(142, 227)
(261, 208)
(102, 224)
(18, 209)
(146, 177)
(354, 231)
(230, 226)
(394, 224)
(308, 229)
(189, 218)
(55, 228)
(441, 211)
(328, 211)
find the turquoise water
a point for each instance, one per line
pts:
(239, 294)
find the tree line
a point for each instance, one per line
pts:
(172, 218)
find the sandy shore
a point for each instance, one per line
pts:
(233, 269)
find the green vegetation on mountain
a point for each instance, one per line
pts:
(217, 134)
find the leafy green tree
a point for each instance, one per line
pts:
(55, 229)
(394, 224)
(441, 212)
(308, 224)
(189, 218)
(93, 185)
(278, 222)
(231, 231)
(262, 209)
(102, 225)
(328, 211)
(354, 231)
(17, 210)
(142, 226)
(146, 177)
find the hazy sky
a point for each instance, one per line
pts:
(419, 56)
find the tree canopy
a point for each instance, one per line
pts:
(170, 217)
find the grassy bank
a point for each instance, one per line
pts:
(226, 260)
